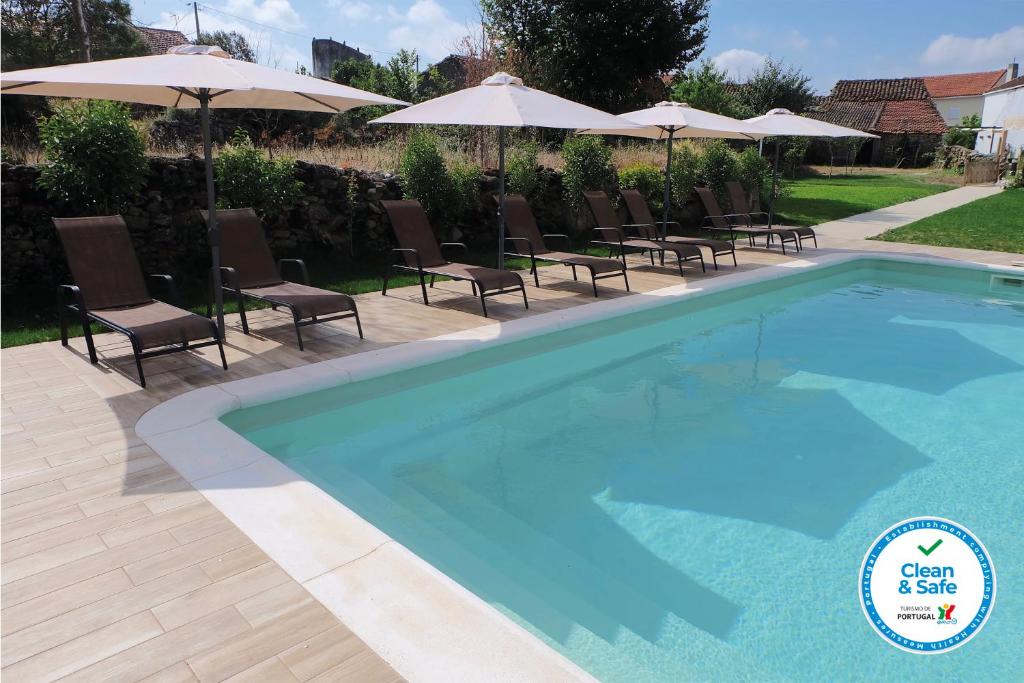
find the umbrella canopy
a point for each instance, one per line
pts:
(784, 123)
(191, 77)
(678, 119)
(670, 120)
(503, 101)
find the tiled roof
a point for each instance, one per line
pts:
(859, 115)
(910, 116)
(160, 40)
(962, 85)
(1015, 83)
(880, 89)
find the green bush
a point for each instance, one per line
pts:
(96, 157)
(424, 176)
(587, 165)
(793, 156)
(755, 172)
(521, 176)
(465, 180)
(684, 173)
(246, 178)
(961, 135)
(716, 166)
(648, 179)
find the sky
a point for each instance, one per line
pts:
(828, 39)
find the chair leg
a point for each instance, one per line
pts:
(526, 302)
(593, 279)
(574, 278)
(432, 277)
(625, 279)
(138, 360)
(387, 276)
(62, 314)
(483, 302)
(298, 330)
(735, 264)
(423, 288)
(359, 324)
(533, 268)
(87, 332)
(714, 257)
(703, 268)
(241, 311)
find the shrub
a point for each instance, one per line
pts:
(648, 179)
(587, 165)
(424, 176)
(961, 135)
(96, 157)
(521, 170)
(716, 166)
(793, 156)
(465, 180)
(246, 178)
(755, 172)
(684, 173)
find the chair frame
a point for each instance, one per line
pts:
(594, 275)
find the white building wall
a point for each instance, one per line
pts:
(1004, 109)
(953, 109)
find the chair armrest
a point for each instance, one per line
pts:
(414, 252)
(172, 289)
(456, 244)
(515, 241)
(300, 263)
(76, 295)
(559, 235)
(615, 231)
(230, 276)
(745, 216)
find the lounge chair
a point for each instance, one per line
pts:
(750, 204)
(110, 289)
(527, 240)
(739, 223)
(614, 236)
(421, 254)
(248, 271)
(641, 215)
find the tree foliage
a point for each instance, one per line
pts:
(705, 87)
(647, 179)
(962, 135)
(587, 165)
(95, 156)
(775, 85)
(233, 42)
(247, 178)
(605, 54)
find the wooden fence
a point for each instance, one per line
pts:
(978, 171)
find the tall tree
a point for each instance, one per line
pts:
(608, 55)
(232, 42)
(775, 85)
(704, 87)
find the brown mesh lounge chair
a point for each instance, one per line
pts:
(249, 270)
(526, 239)
(421, 253)
(641, 215)
(750, 204)
(613, 235)
(739, 223)
(110, 289)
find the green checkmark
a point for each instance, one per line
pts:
(929, 551)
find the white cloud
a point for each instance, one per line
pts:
(796, 40)
(358, 11)
(276, 13)
(427, 27)
(738, 63)
(964, 53)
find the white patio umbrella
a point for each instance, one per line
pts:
(670, 120)
(191, 77)
(503, 101)
(784, 123)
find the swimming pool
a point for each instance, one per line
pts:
(686, 493)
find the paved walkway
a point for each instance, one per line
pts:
(115, 568)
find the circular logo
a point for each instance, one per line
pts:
(927, 585)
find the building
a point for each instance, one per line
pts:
(899, 110)
(960, 95)
(327, 52)
(1002, 119)
(159, 40)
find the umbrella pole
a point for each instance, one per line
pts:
(211, 206)
(668, 186)
(501, 197)
(775, 179)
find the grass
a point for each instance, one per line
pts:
(994, 223)
(820, 199)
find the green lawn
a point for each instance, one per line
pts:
(995, 223)
(819, 199)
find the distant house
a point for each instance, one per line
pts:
(960, 95)
(326, 52)
(1002, 119)
(899, 110)
(159, 40)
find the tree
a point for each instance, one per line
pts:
(962, 135)
(608, 55)
(704, 87)
(232, 42)
(775, 85)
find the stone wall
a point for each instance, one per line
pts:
(339, 212)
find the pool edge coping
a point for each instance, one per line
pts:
(341, 558)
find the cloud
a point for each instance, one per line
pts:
(738, 63)
(974, 53)
(356, 11)
(796, 40)
(426, 27)
(276, 13)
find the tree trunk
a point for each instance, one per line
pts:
(83, 30)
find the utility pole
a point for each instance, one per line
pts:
(195, 9)
(83, 30)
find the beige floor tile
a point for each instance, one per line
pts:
(51, 558)
(178, 673)
(238, 560)
(269, 605)
(322, 652)
(364, 667)
(268, 671)
(217, 595)
(150, 524)
(58, 602)
(77, 528)
(187, 555)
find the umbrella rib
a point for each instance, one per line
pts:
(322, 104)
(19, 85)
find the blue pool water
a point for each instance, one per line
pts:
(687, 493)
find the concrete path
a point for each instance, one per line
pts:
(864, 225)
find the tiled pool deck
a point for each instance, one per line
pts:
(115, 568)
